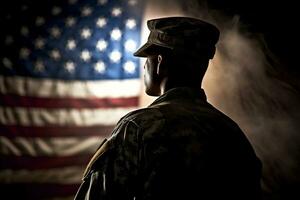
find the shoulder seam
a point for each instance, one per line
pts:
(132, 121)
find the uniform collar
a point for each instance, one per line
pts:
(181, 93)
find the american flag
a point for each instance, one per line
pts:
(67, 74)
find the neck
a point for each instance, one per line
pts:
(168, 84)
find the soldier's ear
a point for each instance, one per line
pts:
(161, 69)
(159, 61)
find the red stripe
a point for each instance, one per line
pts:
(36, 102)
(54, 131)
(32, 191)
(36, 163)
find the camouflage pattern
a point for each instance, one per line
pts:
(180, 147)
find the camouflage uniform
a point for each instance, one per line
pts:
(180, 147)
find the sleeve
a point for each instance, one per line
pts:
(112, 172)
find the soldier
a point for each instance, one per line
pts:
(180, 147)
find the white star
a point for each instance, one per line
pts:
(116, 34)
(116, 12)
(72, 1)
(9, 40)
(86, 11)
(101, 22)
(130, 23)
(7, 63)
(130, 45)
(70, 21)
(115, 56)
(86, 33)
(100, 67)
(85, 55)
(55, 54)
(71, 44)
(39, 43)
(24, 7)
(39, 66)
(132, 2)
(24, 31)
(129, 67)
(39, 21)
(56, 10)
(24, 53)
(101, 45)
(102, 2)
(55, 32)
(70, 66)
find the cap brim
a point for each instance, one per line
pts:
(142, 51)
(149, 49)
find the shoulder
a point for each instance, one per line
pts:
(136, 125)
(145, 117)
(125, 137)
(198, 115)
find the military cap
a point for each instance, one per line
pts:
(180, 33)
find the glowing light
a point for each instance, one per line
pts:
(39, 66)
(7, 63)
(132, 2)
(39, 43)
(116, 34)
(56, 10)
(115, 56)
(101, 22)
(130, 23)
(70, 21)
(55, 32)
(39, 21)
(86, 11)
(102, 2)
(71, 44)
(24, 53)
(72, 1)
(24, 31)
(55, 54)
(70, 66)
(85, 55)
(130, 45)
(86, 33)
(129, 67)
(116, 12)
(100, 67)
(101, 45)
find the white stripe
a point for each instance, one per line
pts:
(76, 89)
(67, 175)
(55, 146)
(61, 117)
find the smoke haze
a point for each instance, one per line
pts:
(244, 82)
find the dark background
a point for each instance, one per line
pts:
(277, 21)
(275, 24)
